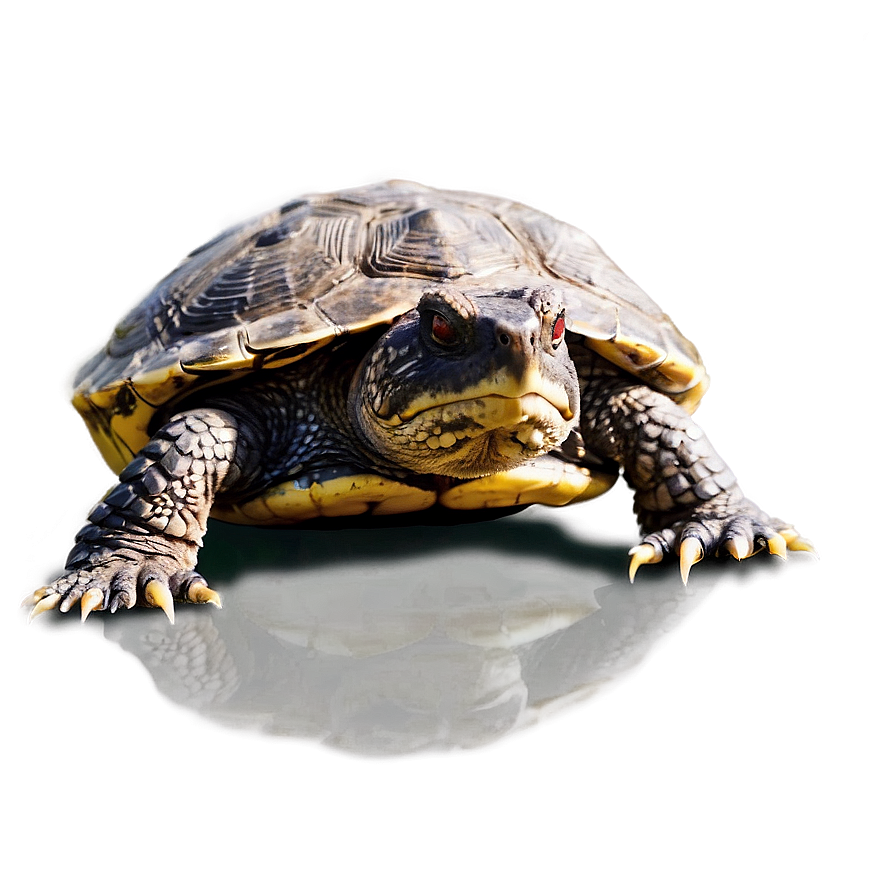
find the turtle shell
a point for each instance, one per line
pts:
(281, 286)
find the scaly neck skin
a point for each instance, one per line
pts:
(296, 420)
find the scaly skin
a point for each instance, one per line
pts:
(686, 498)
(141, 541)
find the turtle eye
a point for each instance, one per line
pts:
(442, 330)
(558, 330)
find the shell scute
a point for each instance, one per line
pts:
(440, 244)
(230, 234)
(566, 251)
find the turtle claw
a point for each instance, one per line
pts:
(777, 545)
(689, 553)
(158, 594)
(803, 545)
(91, 599)
(739, 547)
(35, 597)
(41, 601)
(796, 542)
(200, 593)
(642, 554)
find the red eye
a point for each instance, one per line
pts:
(443, 330)
(558, 331)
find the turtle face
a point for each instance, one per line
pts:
(467, 384)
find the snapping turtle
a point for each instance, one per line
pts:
(387, 350)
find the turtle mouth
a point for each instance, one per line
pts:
(477, 436)
(531, 396)
(468, 420)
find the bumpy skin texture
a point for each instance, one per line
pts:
(683, 491)
(141, 541)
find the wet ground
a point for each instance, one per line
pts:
(489, 710)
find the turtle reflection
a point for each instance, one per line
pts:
(390, 641)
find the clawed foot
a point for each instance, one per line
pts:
(115, 583)
(740, 532)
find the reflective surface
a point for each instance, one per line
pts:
(391, 640)
(740, 167)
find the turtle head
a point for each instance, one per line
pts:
(469, 384)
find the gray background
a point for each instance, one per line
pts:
(737, 163)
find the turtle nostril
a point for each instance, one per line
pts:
(532, 339)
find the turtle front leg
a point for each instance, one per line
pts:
(141, 541)
(687, 499)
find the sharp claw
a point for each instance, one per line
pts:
(642, 554)
(777, 545)
(690, 552)
(802, 544)
(795, 542)
(738, 547)
(90, 601)
(198, 593)
(158, 594)
(35, 598)
(47, 602)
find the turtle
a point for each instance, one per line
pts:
(384, 350)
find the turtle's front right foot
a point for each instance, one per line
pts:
(112, 579)
(140, 544)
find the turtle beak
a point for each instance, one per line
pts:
(530, 383)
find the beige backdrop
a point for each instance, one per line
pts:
(736, 159)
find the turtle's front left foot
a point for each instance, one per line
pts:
(730, 524)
